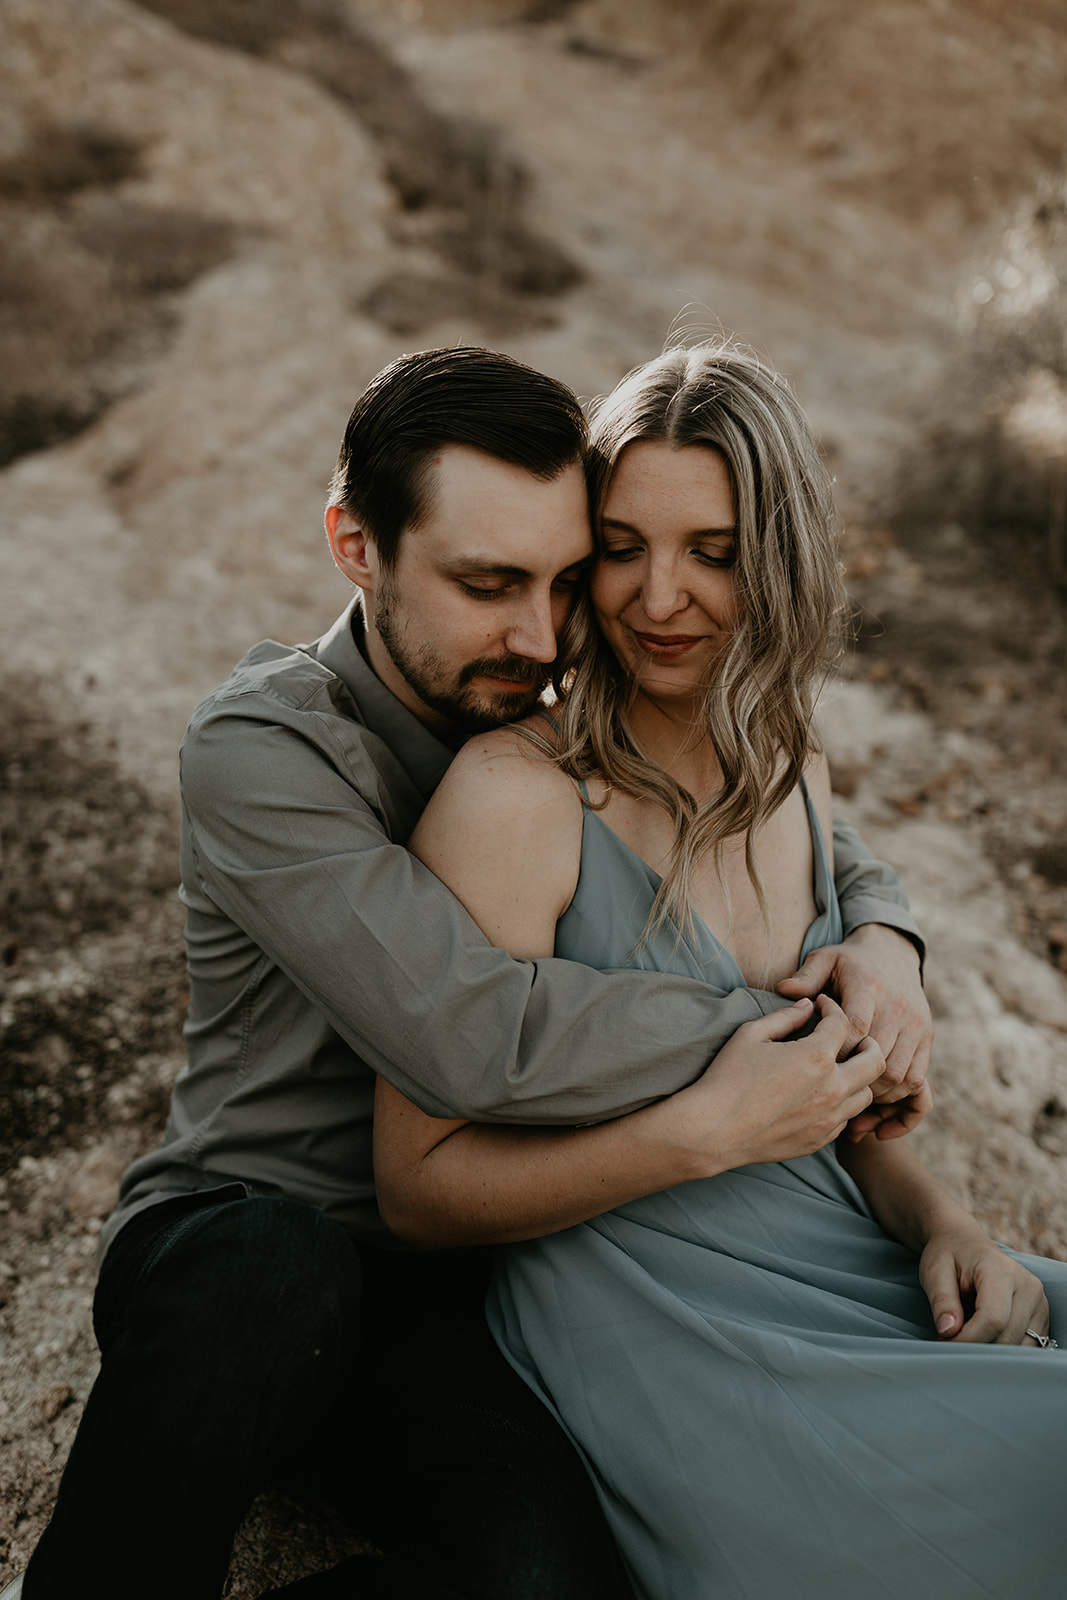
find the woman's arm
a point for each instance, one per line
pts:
(504, 832)
(445, 1183)
(977, 1293)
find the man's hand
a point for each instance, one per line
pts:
(770, 1096)
(977, 1293)
(874, 975)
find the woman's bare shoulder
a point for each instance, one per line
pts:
(504, 831)
(505, 769)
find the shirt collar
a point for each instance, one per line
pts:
(419, 751)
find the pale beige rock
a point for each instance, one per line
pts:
(1000, 1052)
(55, 1398)
(94, 1189)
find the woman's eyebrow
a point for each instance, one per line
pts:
(697, 533)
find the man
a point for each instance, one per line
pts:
(250, 1313)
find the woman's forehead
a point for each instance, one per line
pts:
(692, 482)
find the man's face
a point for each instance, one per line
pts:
(463, 629)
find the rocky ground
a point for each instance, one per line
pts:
(244, 209)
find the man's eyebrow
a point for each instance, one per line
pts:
(484, 567)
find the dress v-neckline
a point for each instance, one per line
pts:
(717, 950)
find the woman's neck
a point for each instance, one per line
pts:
(672, 736)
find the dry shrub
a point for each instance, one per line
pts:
(54, 322)
(539, 11)
(84, 276)
(915, 105)
(81, 843)
(89, 862)
(991, 453)
(470, 193)
(404, 302)
(153, 250)
(254, 26)
(61, 159)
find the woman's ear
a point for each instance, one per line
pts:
(351, 546)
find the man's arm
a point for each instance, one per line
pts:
(869, 891)
(288, 844)
(289, 847)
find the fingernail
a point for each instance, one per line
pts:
(946, 1322)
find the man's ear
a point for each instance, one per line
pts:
(351, 546)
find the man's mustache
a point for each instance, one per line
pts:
(512, 668)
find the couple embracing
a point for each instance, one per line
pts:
(594, 978)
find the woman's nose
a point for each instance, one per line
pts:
(661, 593)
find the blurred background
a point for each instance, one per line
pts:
(218, 218)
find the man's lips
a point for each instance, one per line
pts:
(510, 685)
(523, 675)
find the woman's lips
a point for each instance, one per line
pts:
(668, 644)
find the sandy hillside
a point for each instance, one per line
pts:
(218, 218)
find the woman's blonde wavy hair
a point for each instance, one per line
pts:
(791, 606)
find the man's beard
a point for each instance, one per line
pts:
(467, 709)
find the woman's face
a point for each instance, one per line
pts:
(663, 587)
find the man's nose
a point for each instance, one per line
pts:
(532, 632)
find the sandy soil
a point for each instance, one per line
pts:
(241, 213)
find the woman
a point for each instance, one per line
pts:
(817, 1377)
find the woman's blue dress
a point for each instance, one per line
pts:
(749, 1364)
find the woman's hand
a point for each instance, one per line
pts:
(977, 1293)
(773, 1094)
(875, 976)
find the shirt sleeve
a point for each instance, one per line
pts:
(287, 843)
(868, 890)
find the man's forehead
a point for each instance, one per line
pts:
(455, 469)
(491, 514)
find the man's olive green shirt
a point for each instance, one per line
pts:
(321, 953)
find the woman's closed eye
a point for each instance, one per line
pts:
(718, 553)
(715, 556)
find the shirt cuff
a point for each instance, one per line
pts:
(861, 915)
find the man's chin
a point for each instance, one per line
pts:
(492, 711)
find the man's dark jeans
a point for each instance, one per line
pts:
(235, 1351)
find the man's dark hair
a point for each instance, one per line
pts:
(420, 403)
